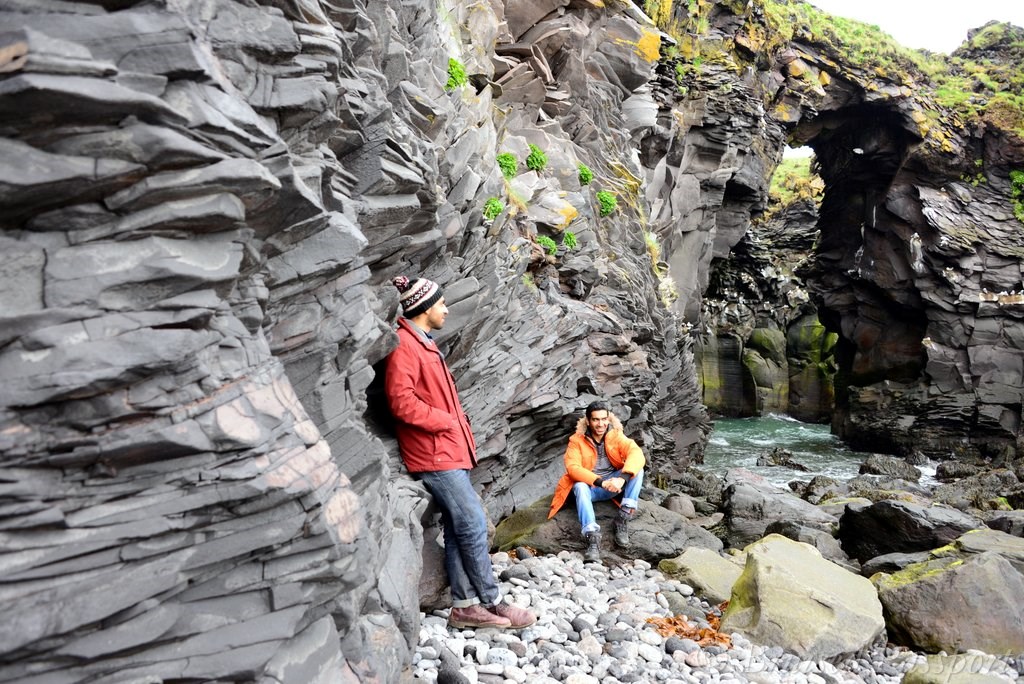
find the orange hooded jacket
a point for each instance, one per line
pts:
(581, 457)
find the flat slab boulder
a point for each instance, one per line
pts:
(823, 541)
(710, 573)
(891, 466)
(953, 604)
(1010, 522)
(791, 597)
(1006, 545)
(654, 532)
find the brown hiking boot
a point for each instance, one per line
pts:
(476, 616)
(519, 617)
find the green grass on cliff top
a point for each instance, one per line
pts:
(968, 81)
(863, 45)
(980, 87)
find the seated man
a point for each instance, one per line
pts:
(600, 463)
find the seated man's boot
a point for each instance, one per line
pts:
(622, 527)
(592, 554)
(476, 616)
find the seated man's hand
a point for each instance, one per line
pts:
(614, 484)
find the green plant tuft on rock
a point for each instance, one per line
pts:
(508, 164)
(456, 75)
(547, 244)
(1017, 194)
(585, 174)
(608, 201)
(569, 239)
(975, 180)
(492, 207)
(537, 160)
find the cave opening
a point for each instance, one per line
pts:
(861, 275)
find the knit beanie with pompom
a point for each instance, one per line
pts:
(416, 295)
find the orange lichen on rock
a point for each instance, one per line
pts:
(649, 45)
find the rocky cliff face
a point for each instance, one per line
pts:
(203, 202)
(762, 347)
(916, 268)
(203, 205)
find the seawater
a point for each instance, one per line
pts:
(738, 442)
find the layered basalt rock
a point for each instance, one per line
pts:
(923, 301)
(174, 503)
(203, 206)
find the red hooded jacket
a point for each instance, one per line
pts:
(433, 430)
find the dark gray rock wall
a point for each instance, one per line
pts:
(187, 270)
(203, 203)
(917, 267)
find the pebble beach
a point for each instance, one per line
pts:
(593, 627)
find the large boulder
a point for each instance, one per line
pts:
(654, 532)
(951, 471)
(952, 604)
(886, 487)
(789, 596)
(711, 574)
(1011, 522)
(751, 503)
(866, 531)
(837, 506)
(819, 489)
(681, 504)
(981, 490)
(827, 545)
(893, 562)
(891, 466)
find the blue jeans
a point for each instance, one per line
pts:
(467, 555)
(587, 495)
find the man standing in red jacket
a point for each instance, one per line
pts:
(438, 449)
